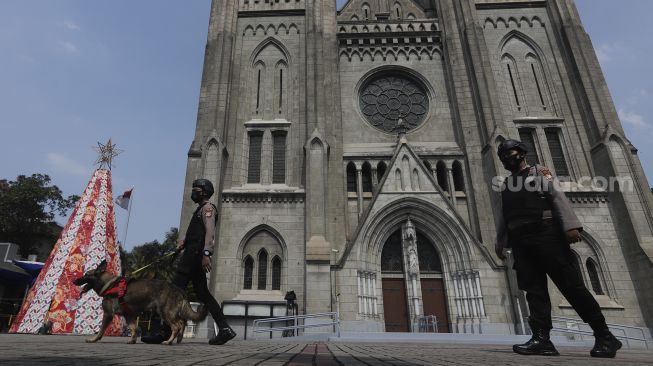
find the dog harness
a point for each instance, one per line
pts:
(119, 289)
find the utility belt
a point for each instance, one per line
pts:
(517, 225)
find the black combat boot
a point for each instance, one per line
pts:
(605, 345)
(539, 344)
(158, 337)
(224, 336)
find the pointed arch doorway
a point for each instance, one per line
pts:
(395, 305)
(434, 297)
(421, 291)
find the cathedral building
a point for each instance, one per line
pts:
(353, 152)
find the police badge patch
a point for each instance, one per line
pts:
(208, 212)
(546, 173)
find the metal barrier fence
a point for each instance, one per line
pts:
(427, 322)
(620, 331)
(299, 322)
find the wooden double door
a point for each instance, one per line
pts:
(434, 300)
(395, 303)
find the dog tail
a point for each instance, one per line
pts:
(188, 313)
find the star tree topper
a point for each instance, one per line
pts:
(106, 153)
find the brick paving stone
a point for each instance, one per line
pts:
(72, 350)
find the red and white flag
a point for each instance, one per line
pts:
(123, 199)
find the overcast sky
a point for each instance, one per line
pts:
(74, 72)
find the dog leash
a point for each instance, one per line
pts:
(175, 252)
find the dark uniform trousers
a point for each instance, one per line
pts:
(539, 250)
(198, 278)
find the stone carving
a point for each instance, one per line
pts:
(410, 240)
(386, 98)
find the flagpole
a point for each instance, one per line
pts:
(129, 211)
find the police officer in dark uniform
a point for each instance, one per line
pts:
(539, 225)
(195, 261)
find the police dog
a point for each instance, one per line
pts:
(140, 295)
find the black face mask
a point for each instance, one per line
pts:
(196, 196)
(512, 162)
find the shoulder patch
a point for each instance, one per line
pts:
(208, 211)
(546, 173)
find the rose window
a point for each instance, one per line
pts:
(386, 99)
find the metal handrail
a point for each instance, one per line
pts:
(296, 319)
(614, 327)
(425, 321)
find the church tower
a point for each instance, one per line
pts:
(268, 137)
(353, 152)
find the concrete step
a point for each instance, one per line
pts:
(451, 338)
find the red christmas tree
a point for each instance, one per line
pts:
(88, 238)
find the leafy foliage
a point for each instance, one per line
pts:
(147, 253)
(143, 255)
(28, 207)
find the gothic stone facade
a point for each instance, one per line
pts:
(353, 153)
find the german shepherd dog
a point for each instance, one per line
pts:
(141, 295)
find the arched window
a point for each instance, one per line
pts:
(270, 79)
(441, 172)
(415, 181)
(535, 68)
(398, 12)
(366, 11)
(380, 170)
(262, 245)
(595, 280)
(276, 273)
(525, 75)
(259, 75)
(281, 86)
(429, 260)
(367, 177)
(458, 177)
(512, 78)
(391, 256)
(249, 270)
(262, 269)
(351, 177)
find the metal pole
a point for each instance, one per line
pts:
(296, 330)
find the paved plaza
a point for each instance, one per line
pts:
(71, 350)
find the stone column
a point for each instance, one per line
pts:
(413, 287)
(452, 189)
(359, 187)
(318, 249)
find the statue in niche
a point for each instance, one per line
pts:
(410, 240)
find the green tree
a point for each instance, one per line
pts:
(144, 254)
(28, 207)
(147, 253)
